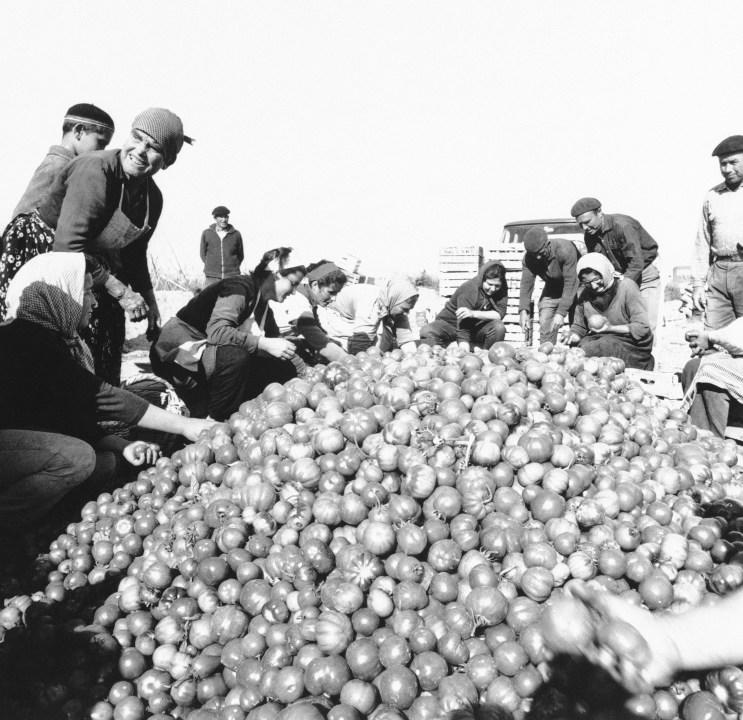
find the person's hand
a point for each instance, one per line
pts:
(699, 298)
(153, 323)
(698, 341)
(277, 347)
(134, 305)
(141, 453)
(463, 345)
(464, 313)
(664, 660)
(193, 427)
(408, 348)
(605, 328)
(573, 338)
(525, 321)
(557, 322)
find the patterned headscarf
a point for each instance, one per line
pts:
(48, 291)
(166, 128)
(598, 263)
(393, 293)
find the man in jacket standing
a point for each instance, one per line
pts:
(718, 250)
(221, 248)
(630, 248)
(554, 261)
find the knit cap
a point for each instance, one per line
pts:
(90, 115)
(535, 239)
(165, 128)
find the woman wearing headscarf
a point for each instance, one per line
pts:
(51, 403)
(473, 315)
(300, 313)
(362, 313)
(611, 318)
(223, 347)
(106, 204)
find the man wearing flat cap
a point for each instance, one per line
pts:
(554, 261)
(718, 249)
(221, 247)
(630, 248)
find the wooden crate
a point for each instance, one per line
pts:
(461, 250)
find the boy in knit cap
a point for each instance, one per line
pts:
(85, 128)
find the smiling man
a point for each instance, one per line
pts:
(630, 248)
(718, 250)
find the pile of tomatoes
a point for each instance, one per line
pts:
(380, 539)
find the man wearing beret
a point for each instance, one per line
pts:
(629, 247)
(221, 247)
(554, 261)
(718, 250)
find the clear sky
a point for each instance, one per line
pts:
(388, 129)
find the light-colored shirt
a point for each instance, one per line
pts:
(720, 229)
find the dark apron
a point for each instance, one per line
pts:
(106, 332)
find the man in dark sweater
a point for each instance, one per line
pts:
(221, 247)
(554, 262)
(473, 315)
(630, 248)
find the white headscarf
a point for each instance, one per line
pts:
(48, 291)
(600, 264)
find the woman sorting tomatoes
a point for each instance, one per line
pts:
(106, 204)
(223, 347)
(611, 319)
(52, 404)
(473, 315)
(366, 315)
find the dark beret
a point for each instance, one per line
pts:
(584, 205)
(729, 146)
(535, 239)
(220, 211)
(89, 114)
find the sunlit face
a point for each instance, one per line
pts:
(286, 284)
(404, 307)
(592, 281)
(544, 252)
(731, 168)
(91, 141)
(222, 221)
(492, 285)
(89, 303)
(141, 155)
(323, 295)
(590, 222)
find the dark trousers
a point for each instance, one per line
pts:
(483, 333)
(239, 375)
(37, 469)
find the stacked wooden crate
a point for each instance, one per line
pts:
(510, 255)
(457, 263)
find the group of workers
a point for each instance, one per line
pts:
(73, 264)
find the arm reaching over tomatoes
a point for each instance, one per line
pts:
(678, 642)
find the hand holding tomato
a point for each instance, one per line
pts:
(598, 323)
(141, 453)
(640, 660)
